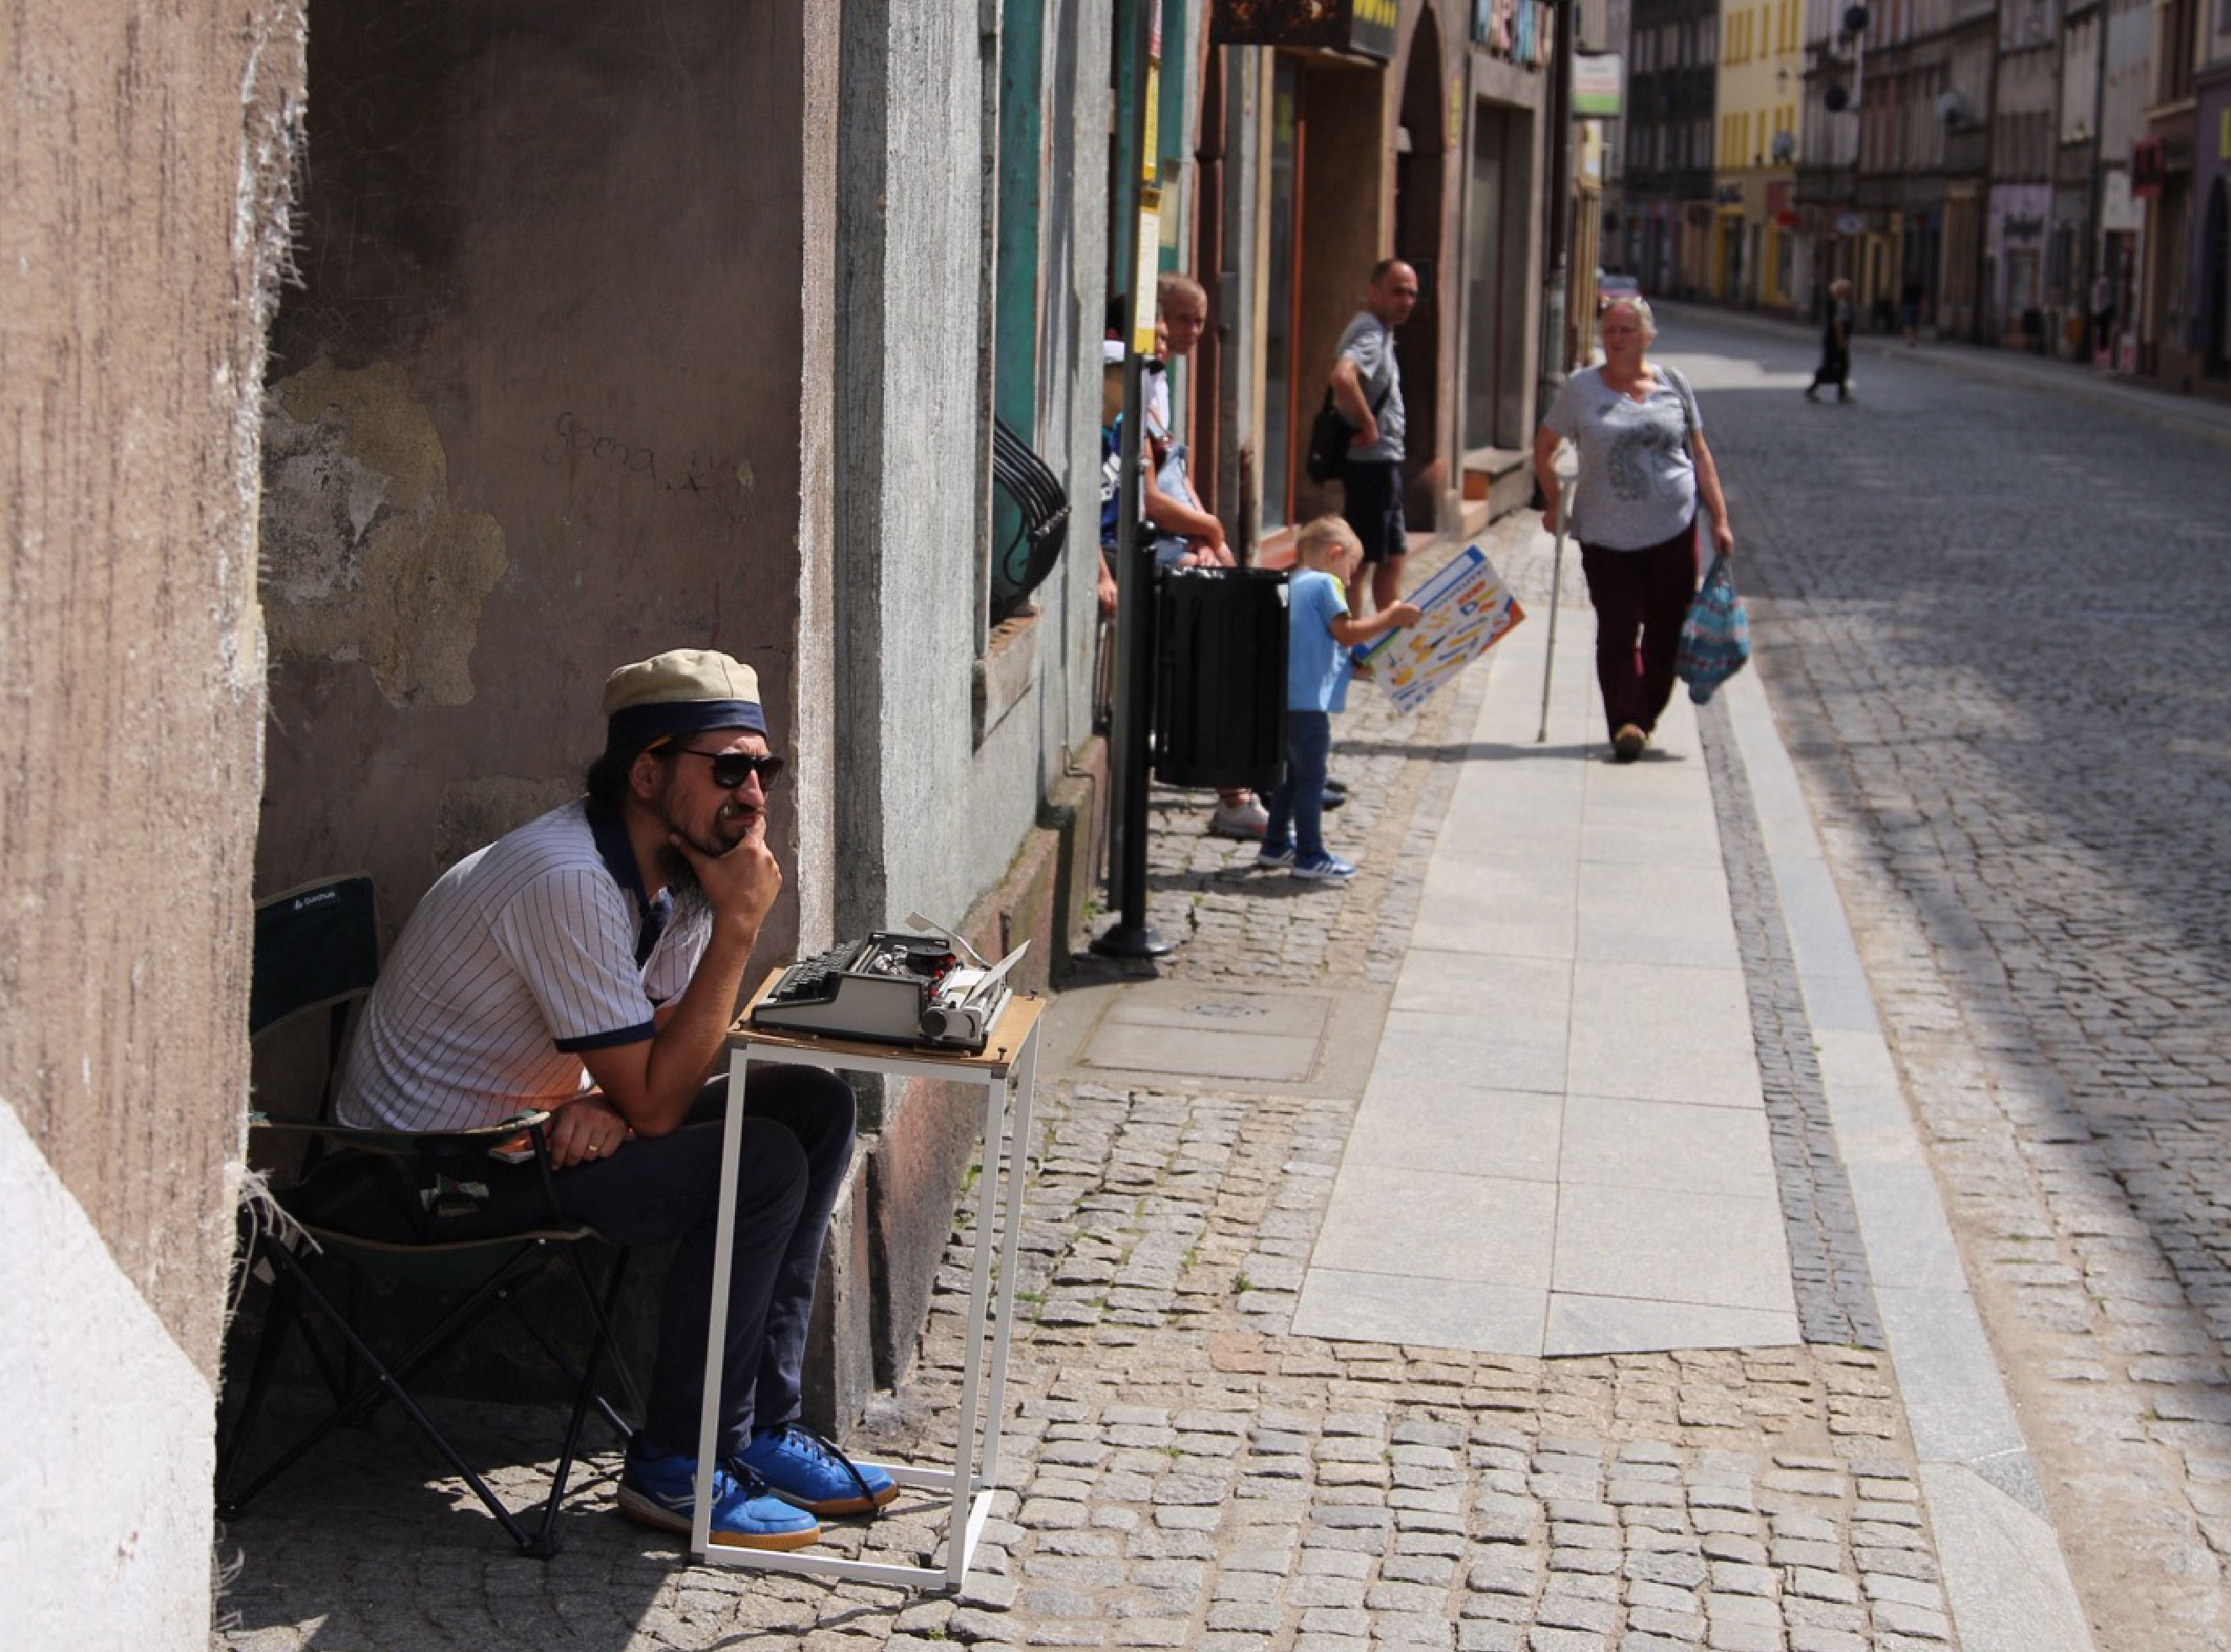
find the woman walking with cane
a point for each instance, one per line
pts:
(1645, 469)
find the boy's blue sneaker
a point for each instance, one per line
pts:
(1323, 868)
(661, 1490)
(801, 1467)
(1274, 859)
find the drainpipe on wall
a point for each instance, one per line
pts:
(1131, 935)
(1561, 205)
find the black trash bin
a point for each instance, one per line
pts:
(1220, 676)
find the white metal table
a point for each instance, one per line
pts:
(1008, 1062)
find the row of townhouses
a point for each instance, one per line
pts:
(2048, 175)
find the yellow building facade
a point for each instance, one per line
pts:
(1755, 145)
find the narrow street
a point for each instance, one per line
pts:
(1318, 1349)
(1992, 600)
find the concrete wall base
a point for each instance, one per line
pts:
(892, 1231)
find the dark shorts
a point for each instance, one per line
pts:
(1371, 492)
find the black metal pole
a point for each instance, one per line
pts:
(1131, 935)
(1557, 251)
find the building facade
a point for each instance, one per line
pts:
(1414, 131)
(2118, 244)
(1756, 106)
(1673, 50)
(2046, 175)
(1893, 182)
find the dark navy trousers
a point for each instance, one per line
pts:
(795, 1146)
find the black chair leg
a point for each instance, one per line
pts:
(600, 1315)
(614, 1277)
(296, 1301)
(282, 1310)
(523, 1265)
(382, 1385)
(585, 1395)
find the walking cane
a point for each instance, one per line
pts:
(1556, 583)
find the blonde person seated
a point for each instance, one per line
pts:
(1186, 532)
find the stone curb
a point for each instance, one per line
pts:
(2005, 1578)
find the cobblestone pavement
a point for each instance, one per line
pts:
(1182, 1470)
(1993, 611)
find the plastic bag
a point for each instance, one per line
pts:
(1715, 635)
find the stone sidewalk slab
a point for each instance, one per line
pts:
(1564, 1105)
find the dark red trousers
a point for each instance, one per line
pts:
(1640, 598)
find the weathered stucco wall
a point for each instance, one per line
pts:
(1020, 759)
(911, 400)
(929, 818)
(144, 154)
(535, 411)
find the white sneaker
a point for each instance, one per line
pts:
(1244, 821)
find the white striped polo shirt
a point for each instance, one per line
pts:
(522, 955)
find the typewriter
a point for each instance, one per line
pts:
(892, 988)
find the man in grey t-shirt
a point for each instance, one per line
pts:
(1366, 387)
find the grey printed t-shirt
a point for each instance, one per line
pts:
(1637, 485)
(1369, 342)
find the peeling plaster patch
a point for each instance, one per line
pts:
(363, 557)
(746, 479)
(473, 814)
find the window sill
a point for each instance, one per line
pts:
(1004, 678)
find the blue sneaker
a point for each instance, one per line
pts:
(661, 1490)
(800, 1467)
(1274, 859)
(1323, 868)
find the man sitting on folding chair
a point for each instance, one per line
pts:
(589, 963)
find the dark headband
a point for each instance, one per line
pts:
(632, 728)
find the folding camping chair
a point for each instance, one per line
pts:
(408, 1208)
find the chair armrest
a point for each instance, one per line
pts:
(439, 1171)
(379, 1138)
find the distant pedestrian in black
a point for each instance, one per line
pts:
(1909, 312)
(2102, 316)
(1835, 366)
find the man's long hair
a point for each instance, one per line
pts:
(606, 781)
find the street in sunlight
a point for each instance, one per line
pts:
(1992, 599)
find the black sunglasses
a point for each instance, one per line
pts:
(732, 768)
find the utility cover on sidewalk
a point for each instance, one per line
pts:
(1270, 1038)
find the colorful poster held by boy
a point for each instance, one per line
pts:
(1467, 609)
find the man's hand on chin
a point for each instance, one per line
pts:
(741, 885)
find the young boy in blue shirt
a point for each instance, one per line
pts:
(1319, 631)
